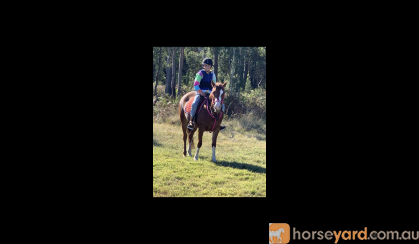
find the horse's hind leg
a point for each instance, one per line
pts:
(184, 129)
(185, 135)
(191, 145)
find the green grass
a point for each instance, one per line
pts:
(240, 170)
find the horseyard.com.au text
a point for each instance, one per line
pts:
(355, 235)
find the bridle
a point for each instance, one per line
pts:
(214, 100)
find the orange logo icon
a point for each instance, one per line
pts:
(279, 233)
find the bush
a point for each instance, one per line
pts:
(253, 101)
(165, 108)
(247, 115)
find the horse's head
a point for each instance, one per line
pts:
(217, 95)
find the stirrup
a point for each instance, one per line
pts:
(222, 127)
(191, 126)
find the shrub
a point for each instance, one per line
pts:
(247, 115)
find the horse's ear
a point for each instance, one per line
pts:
(212, 84)
(225, 83)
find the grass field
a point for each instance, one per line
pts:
(240, 170)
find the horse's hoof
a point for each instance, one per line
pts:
(196, 159)
(213, 159)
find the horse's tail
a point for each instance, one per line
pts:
(192, 144)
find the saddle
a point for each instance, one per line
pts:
(188, 106)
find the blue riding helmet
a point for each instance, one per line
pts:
(207, 61)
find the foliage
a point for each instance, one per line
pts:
(247, 115)
(255, 56)
(255, 101)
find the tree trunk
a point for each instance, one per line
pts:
(231, 73)
(260, 82)
(154, 55)
(229, 60)
(246, 71)
(180, 71)
(243, 75)
(216, 63)
(240, 70)
(252, 68)
(253, 79)
(157, 75)
(234, 81)
(168, 89)
(254, 76)
(173, 73)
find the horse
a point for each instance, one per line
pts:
(277, 234)
(209, 118)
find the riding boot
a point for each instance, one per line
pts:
(191, 124)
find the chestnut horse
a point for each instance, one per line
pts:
(205, 120)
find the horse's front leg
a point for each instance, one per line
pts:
(200, 133)
(214, 143)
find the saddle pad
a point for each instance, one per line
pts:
(188, 106)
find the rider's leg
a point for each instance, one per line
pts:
(193, 111)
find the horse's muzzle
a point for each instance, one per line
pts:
(217, 106)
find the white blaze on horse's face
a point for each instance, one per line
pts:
(218, 101)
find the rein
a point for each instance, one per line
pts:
(222, 100)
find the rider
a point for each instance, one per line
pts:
(202, 84)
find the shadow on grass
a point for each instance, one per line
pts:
(238, 165)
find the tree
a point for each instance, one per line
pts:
(246, 71)
(232, 72)
(153, 63)
(173, 72)
(180, 71)
(168, 89)
(260, 82)
(240, 72)
(252, 75)
(215, 52)
(158, 73)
